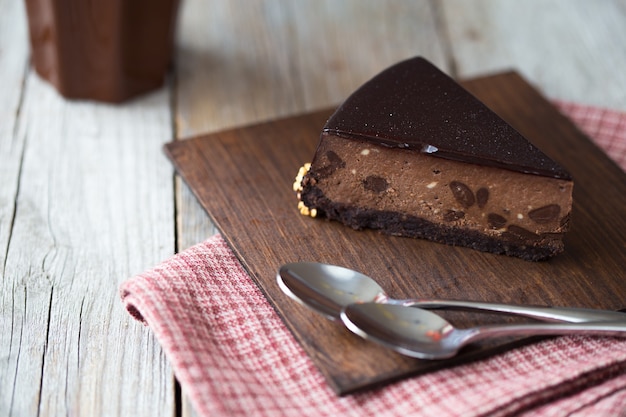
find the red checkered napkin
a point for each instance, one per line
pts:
(606, 127)
(234, 357)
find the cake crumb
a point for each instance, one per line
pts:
(297, 185)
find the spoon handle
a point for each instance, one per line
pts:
(552, 314)
(544, 329)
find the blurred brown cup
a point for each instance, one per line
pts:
(104, 50)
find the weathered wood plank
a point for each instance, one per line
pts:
(570, 49)
(241, 61)
(88, 201)
(80, 228)
(13, 67)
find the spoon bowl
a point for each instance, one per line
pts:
(328, 289)
(422, 334)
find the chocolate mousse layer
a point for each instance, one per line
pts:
(415, 195)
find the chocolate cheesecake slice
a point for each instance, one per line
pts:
(413, 154)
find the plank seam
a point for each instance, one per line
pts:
(19, 351)
(176, 188)
(18, 112)
(45, 350)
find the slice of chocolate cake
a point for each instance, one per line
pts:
(414, 154)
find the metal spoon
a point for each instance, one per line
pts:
(422, 334)
(327, 289)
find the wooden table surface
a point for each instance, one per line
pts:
(88, 199)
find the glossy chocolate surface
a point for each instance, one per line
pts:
(414, 105)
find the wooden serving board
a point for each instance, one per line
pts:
(243, 178)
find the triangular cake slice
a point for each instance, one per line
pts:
(412, 153)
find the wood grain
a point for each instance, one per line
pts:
(265, 230)
(61, 276)
(556, 44)
(92, 205)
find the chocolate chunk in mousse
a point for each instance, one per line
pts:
(413, 154)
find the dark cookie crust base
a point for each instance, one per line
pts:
(536, 248)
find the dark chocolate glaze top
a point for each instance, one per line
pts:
(414, 105)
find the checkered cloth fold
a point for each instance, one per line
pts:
(234, 357)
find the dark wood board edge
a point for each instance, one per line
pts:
(344, 386)
(178, 151)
